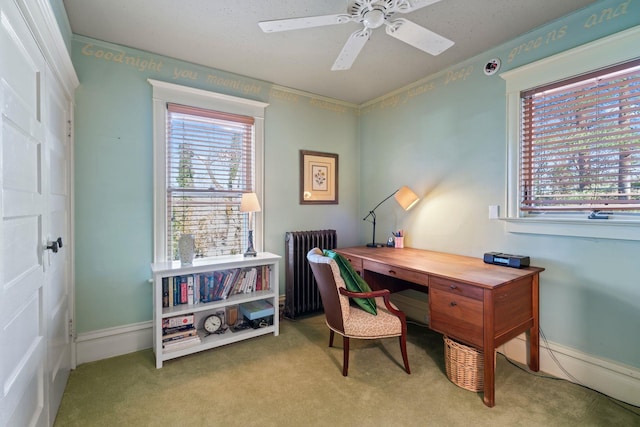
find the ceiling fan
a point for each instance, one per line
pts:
(372, 14)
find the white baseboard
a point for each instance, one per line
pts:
(611, 378)
(112, 342)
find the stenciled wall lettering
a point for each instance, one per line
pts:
(534, 44)
(326, 105)
(120, 57)
(460, 74)
(245, 88)
(419, 90)
(393, 101)
(142, 64)
(607, 14)
(179, 73)
(529, 46)
(285, 96)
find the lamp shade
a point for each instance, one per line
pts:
(249, 203)
(406, 198)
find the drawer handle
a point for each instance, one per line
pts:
(453, 287)
(453, 303)
(392, 272)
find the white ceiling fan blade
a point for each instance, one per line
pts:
(351, 49)
(407, 6)
(300, 23)
(418, 37)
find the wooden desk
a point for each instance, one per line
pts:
(479, 304)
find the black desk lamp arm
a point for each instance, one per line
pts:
(372, 211)
(372, 214)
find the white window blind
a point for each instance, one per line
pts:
(580, 143)
(210, 163)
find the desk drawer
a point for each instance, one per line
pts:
(399, 273)
(456, 288)
(355, 262)
(457, 316)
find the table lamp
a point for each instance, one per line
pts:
(249, 203)
(405, 198)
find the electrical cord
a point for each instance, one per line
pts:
(574, 380)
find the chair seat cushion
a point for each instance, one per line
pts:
(361, 324)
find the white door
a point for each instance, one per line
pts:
(57, 284)
(34, 350)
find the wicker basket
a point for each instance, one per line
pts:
(465, 365)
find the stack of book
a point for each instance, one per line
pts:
(179, 332)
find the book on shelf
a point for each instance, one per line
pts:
(266, 278)
(176, 336)
(172, 322)
(259, 278)
(251, 282)
(183, 290)
(181, 343)
(256, 309)
(180, 328)
(165, 292)
(170, 291)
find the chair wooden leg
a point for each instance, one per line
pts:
(403, 349)
(345, 362)
(331, 337)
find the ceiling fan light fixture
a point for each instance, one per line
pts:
(373, 18)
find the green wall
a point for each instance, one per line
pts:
(444, 137)
(114, 176)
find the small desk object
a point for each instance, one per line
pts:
(479, 304)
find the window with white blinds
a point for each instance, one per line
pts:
(209, 164)
(580, 143)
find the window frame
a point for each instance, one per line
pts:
(615, 49)
(164, 93)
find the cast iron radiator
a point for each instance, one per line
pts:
(302, 296)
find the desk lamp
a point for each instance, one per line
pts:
(249, 203)
(405, 198)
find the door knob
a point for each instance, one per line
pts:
(53, 246)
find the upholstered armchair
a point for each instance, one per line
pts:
(349, 320)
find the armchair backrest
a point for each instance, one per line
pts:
(327, 275)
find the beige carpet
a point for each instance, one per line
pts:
(295, 379)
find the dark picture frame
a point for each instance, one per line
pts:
(318, 178)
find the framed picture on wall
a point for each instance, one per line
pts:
(318, 178)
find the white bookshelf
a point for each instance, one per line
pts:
(201, 310)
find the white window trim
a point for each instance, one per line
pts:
(163, 93)
(614, 49)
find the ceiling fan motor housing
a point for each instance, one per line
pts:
(372, 13)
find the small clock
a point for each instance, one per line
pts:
(213, 323)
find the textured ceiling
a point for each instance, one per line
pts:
(225, 35)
